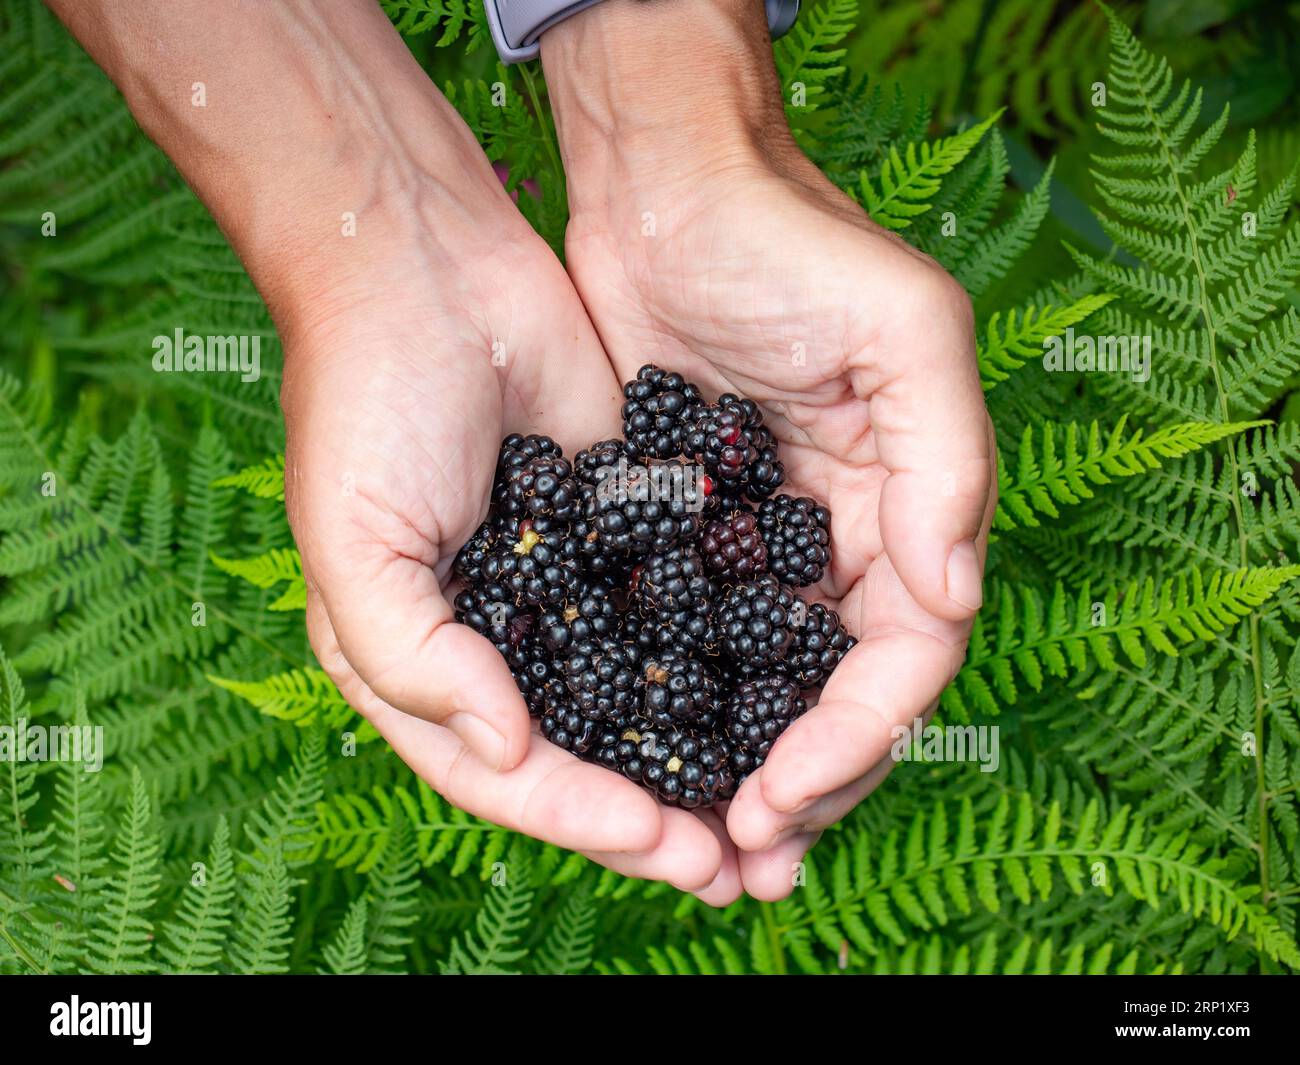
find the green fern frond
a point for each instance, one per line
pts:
(810, 54)
(122, 940)
(265, 480)
(24, 849)
(1061, 464)
(455, 17)
(265, 571)
(1023, 637)
(393, 887)
(910, 180)
(307, 697)
(345, 955)
(492, 947)
(194, 940)
(567, 948)
(1005, 347)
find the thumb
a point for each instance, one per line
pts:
(935, 439)
(397, 632)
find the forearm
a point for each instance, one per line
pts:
(677, 87)
(284, 117)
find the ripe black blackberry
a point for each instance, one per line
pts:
(796, 532)
(565, 727)
(679, 690)
(754, 621)
(672, 590)
(490, 610)
(681, 767)
(760, 710)
(732, 547)
(604, 678)
(468, 564)
(592, 614)
(542, 487)
(593, 464)
(651, 509)
(535, 674)
(819, 645)
(537, 568)
(516, 450)
(658, 412)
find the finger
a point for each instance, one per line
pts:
(725, 888)
(397, 631)
(755, 827)
(688, 854)
(934, 437)
(771, 875)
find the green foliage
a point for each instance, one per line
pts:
(1138, 647)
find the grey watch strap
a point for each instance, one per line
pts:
(516, 25)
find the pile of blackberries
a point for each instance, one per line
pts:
(643, 593)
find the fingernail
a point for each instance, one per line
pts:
(480, 737)
(965, 582)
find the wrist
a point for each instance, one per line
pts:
(663, 95)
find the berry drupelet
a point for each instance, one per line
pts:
(796, 533)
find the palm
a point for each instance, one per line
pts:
(789, 295)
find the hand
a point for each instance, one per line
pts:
(720, 251)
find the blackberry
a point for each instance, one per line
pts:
(593, 464)
(604, 679)
(592, 614)
(732, 546)
(760, 710)
(679, 689)
(754, 621)
(735, 446)
(651, 510)
(819, 645)
(681, 767)
(535, 675)
(797, 535)
(541, 488)
(516, 450)
(490, 610)
(565, 727)
(658, 411)
(468, 564)
(537, 569)
(675, 594)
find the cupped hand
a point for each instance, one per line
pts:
(755, 275)
(402, 375)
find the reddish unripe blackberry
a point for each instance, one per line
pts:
(732, 442)
(541, 488)
(678, 689)
(681, 767)
(658, 413)
(760, 710)
(819, 645)
(754, 621)
(731, 546)
(797, 535)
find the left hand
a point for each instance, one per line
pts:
(726, 255)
